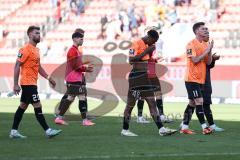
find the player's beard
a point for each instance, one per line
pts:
(36, 40)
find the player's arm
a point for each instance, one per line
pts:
(44, 74)
(197, 59)
(209, 58)
(21, 58)
(16, 87)
(76, 63)
(138, 57)
(214, 59)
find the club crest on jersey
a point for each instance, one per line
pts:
(189, 51)
(19, 55)
(131, 51)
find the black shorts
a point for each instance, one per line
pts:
(29, 94)
(194, 90)
(140, 85)
(76, 88)
(156, 83)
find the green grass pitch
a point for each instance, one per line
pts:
(103, 141)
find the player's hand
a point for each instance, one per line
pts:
(215, 57)
(52, 82)
(86, 62)
(210, 46)
(16, 89)
(160, 59)
(89, 68)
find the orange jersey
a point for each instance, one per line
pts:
(137, 48)
(29, 57)
(196, 72)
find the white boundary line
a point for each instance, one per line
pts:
(130, 156)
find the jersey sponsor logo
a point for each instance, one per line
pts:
(19, 55)
(131, 52)
(189, 51)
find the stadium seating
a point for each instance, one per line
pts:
(10, 6)
(225, 31)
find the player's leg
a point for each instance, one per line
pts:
(156, 117)
(140, 118)
(58, 107)
(127, 115)
(25, 99)
(159, 101)
(209, 115)
(198, 99)
(140, 104)
(41, 120)
(63, 107)
(187, 116)
(35, 101)
(72, 91)
(83, 110)
(17, 119)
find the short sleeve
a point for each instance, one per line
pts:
(134, 49)
(22, 55)
(190, 51)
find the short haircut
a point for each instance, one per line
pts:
(77, 35)
(196, 26)
(31, 28)
(153, 34)
(79, 30)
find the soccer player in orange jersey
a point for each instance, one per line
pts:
(140, 86)
(28, 66)
(199, 55)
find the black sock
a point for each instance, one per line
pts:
(188, 114)
(158, 121)
(127, 117)
(40, 118)
(140, 107)
(160, 106)
(17, 118)
(126, 121)
(208, 114)
(82, 105)
(200, 114)
(63, 107)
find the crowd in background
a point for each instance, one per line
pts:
(129, 20)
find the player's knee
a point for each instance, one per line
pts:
(128, 110)
(158, 95)
(82, 97)
(71, 98)
(191, 103)
(131, 102)
(23, 106)
(198, 101)
(37, 105)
